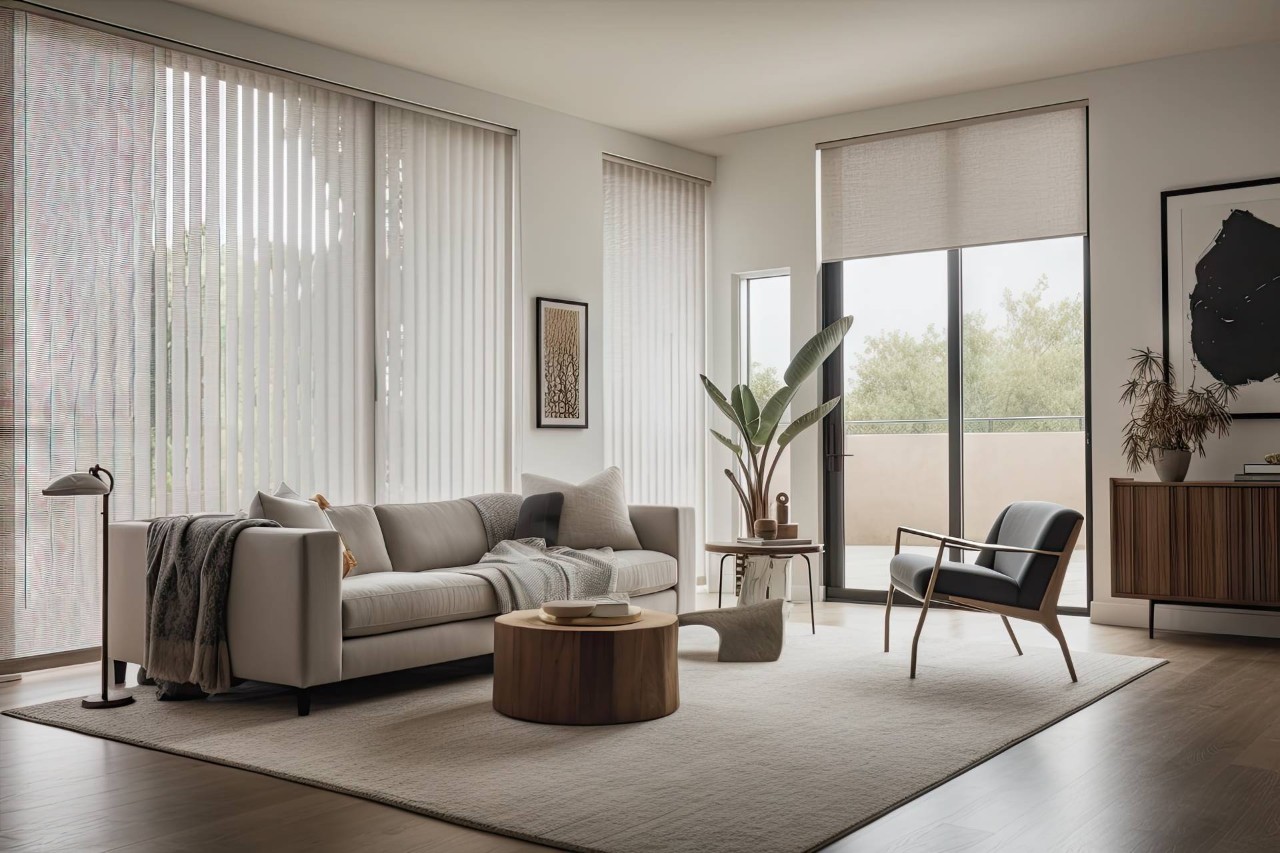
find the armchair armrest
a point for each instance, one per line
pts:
(946, 541)
(671, 530)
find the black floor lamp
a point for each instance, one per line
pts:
(76, 485)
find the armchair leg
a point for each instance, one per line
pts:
(888, 607)
(1009, 628)
(915, 641)
(1055, 628)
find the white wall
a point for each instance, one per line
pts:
(559, 206)
(1192, 120)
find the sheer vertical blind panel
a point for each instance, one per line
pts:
(655, 272)
(262, 259)
(187, 270)
(81, 108)
(1020, 176)
(443, 294)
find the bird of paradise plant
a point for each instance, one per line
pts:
(757, 426)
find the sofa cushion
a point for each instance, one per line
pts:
(437, 535)
(968, 580)
(358, 526)
(643, 572)
(595, 513)
(383, 602)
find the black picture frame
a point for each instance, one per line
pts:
(544, 419)
(1167, 199)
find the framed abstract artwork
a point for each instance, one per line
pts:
(562, 364)
(1222, 289)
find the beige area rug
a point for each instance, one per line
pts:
(783, 756)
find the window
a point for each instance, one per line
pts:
(960, 251)
(209, 275)
(764, 349)
(654, 273)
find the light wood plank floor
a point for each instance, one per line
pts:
(1185, 759)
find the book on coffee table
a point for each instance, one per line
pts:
(611, 608)
(755, 540)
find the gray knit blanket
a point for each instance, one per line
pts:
(499, 512)
(524, 573)
(188, 576)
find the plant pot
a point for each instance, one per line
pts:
(1171, 465)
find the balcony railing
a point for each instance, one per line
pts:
(923, 426)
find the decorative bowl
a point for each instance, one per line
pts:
(569, 609)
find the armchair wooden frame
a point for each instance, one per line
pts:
(1046, 615)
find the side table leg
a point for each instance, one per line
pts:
(720, 585)
(808, 569)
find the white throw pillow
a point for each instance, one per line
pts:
(288, 509)
(281, 491)
(595, 513)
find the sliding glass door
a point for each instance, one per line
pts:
(964, 381)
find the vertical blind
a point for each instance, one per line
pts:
(262, 274)
(996, 179)
(655, 275)
(189, 266)
(443, 292)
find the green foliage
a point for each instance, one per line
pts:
(1029, 366)
(1164, 418)
(764, 381)
(759, 425)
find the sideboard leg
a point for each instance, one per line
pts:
(1151, 618)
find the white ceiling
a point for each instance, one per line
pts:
(685, 70)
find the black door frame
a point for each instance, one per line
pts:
(831, 300)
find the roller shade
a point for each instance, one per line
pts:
(999, 179)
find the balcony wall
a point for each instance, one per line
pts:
(902, 479)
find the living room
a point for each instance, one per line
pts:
(493, 425)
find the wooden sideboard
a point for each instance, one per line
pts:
(1208, 543)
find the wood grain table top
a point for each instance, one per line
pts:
(762, 550)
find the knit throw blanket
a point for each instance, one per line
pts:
(499, 512)
(524, 573)
(188, 576)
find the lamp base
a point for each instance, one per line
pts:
(115, 698)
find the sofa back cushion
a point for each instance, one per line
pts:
(358, 526)
(439, 535)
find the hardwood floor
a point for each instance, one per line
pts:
(1185, 759)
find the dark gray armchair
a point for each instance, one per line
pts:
(1018, 572)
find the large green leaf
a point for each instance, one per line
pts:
(717, 397)
(728, 442)
(771, 414)
(744, 403)
(805, 421)
(816, 351)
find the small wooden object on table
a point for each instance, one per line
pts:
(732, 549)
(584, 675)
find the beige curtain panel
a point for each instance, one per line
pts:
(1000, 179)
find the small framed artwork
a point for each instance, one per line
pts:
(1222, 289)
(562, 364)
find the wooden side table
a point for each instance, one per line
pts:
(735, 549)
(585, 676)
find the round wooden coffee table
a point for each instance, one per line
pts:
(585, 676)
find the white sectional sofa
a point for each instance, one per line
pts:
(292, 619)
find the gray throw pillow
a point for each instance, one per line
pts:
(540, 518)
(595, 513)
(294, 512)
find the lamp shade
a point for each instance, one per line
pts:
(79, 483)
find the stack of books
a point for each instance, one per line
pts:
(1259, 472)
(756, 540)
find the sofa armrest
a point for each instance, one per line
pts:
(284, 607)
(671, 530)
